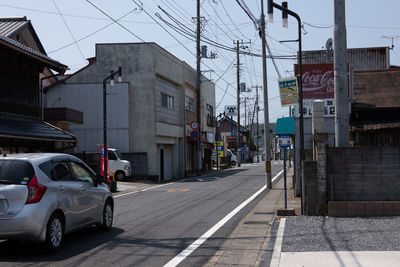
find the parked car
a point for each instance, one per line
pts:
(117, 164)
(228, 153)
(233, 157)
(44, 196)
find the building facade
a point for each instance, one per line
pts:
(146, 112)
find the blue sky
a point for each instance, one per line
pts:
(367, 21)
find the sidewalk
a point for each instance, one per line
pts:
(314, 241)
(245, 246)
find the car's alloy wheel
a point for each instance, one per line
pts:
(107, 216)
(54, 232)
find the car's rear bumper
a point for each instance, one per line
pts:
(29, 223)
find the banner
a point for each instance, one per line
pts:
(288, 92)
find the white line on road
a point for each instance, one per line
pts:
(143, 190)
(181, 256)
(276, 255)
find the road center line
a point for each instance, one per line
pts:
(181, 256)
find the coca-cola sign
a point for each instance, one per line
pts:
(318, 81)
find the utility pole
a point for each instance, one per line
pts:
(266, 113)
(198, 93)
(258, 134)
(239, 159)
(342, 137)
(245, 112)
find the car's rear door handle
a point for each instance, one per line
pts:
(61, 188)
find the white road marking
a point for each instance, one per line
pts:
(143, 190)
(186, 252)
(276, 255)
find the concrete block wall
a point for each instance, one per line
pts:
(363, 208)
(364, 174)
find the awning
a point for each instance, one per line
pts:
(22, 127)
(284, 126)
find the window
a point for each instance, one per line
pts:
(210, 115)
(16, 171)
(189, 103)
(56, 171)
(111, 155)
(167, 101)
(81, 173)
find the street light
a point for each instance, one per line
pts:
(111, 78)
(286, 11)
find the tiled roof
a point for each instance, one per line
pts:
(16, 126)
(32, 52)
(12, 26)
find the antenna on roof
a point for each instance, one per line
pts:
(391, 37)
(329, 44)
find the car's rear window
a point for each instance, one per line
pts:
(15, 172)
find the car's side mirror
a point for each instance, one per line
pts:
(98, 179)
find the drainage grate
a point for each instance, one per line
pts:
(264, 213)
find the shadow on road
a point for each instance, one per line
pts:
(74, 244)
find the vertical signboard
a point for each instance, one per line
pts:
(288, 92)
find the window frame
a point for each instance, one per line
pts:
(167, 101)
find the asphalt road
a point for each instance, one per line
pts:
(152, 227)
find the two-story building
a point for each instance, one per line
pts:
(146, 112)
(24, 61)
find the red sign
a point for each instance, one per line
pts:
(318, 81)
(194, 125)
(101, 150)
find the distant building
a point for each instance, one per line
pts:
(148, 113)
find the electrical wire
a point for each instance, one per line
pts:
(115, 21)
(69, 30)
(91, 34)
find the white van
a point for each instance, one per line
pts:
(118, 165)
(228, 153)
(233, 157)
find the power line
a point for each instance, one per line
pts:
(91, 34)
(115, 21)
(69, 30)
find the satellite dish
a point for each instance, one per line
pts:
(329, 44)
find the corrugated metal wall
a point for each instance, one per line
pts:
(373, 58)
(88, 98)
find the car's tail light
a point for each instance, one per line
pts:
(35, 191)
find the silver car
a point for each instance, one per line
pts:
(44, 196)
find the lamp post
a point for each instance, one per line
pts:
(285, 12)
(111, 78)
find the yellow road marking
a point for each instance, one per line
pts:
(180, 190)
